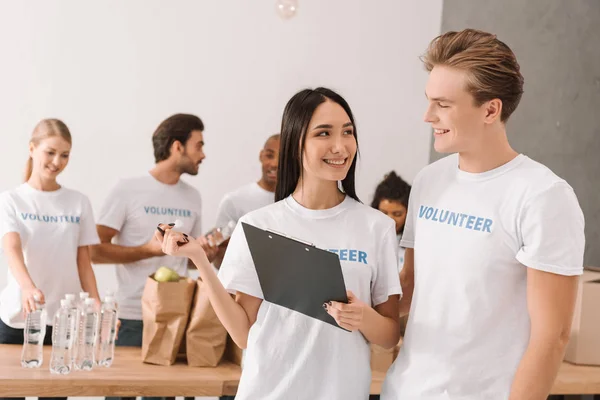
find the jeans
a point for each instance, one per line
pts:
(130, 334)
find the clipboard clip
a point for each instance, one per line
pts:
(290, 237)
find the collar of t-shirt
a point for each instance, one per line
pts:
(317, 214)
(27, 188)
(493, 173)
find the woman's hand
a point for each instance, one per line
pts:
(348, 316)
(175, 243)
(28, 299)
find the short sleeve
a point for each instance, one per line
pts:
(387, 280)
(237, 272)
(8, 216)
(552, 232)
(88, 235)
(114, 210)
(408, 236)
(226, 212)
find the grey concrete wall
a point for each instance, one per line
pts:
(557, 43)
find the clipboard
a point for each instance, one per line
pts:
(295, 274)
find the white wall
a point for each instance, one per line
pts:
(112, 70)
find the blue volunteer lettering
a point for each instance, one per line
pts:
(350, 255)
(172, 212)
(55, 219)
(460, 220)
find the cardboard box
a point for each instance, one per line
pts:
(397, 348)
(382, 359)
(584, 342)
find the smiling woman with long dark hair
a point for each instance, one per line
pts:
(290, 355)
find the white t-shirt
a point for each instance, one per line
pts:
(135, 207)
(401, 251)
(293, 356)
(474, 236)
(52, 226)
(241, 201)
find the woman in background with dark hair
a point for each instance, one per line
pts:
(391, 198)
(290, 355)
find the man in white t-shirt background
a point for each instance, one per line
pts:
(135, 206)
(252, 196)
(494, 242)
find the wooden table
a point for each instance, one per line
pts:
(571, 379)
(130, 377)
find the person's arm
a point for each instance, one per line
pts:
(108, 253)
(11, 243)
(378, 325)
(237, 315)
(218, 260)
(550, 302)
(407, 281)
(553, 242)
(86, 273)
(214, 254)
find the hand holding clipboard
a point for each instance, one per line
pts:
(295, 274)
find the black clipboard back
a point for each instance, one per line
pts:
(295, 274)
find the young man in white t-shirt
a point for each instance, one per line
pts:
(136, 206)
(252, 196)
(494, 242)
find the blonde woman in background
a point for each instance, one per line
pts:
(45, 230)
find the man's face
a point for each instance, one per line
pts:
(458, 123)
(269, 159)
(193, 154)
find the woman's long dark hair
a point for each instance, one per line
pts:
(296, 117)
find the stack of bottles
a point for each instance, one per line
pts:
(82, 335)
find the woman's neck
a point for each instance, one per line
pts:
(318, 194)
(44, 185)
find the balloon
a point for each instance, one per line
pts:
(286, 8)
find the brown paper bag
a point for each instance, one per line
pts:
(205, 335)
(165, 313)
(233, 353)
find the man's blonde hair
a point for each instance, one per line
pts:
(492, 68)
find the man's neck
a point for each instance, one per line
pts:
(489, 154)
(165, 173)
(266, 186)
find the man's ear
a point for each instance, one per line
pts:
(177, 147)
(493, 110)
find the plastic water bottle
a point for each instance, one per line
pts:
(107, 333)
(33, 336)
(82, 297)
(62, 340)
(74, 317)
(220, 234)
(88, 327)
